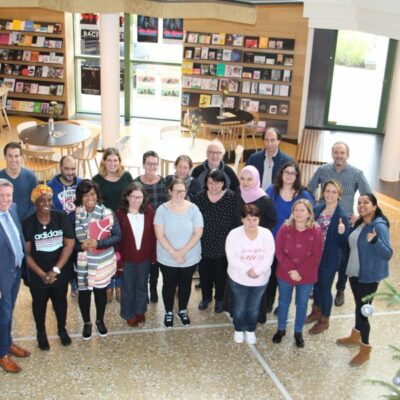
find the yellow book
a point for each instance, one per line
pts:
(16, 26)
(263, 42)
(205, 100)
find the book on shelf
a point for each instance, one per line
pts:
(248, 57)
(273, 109)
(4, 38)
(29, 26)
(226, 54)
(205, 100)
(205, 84)
(272, 44)
(256, 74)
(4, 54)
(263, 42)
(216, 100)
(247, 74)
(196, 83)
(53, 90)
(238, 40)
(44, 89)
(218, 38)
(284, 90)
(213, 69)
(204, 38)
(196, 69)
(244, 104)
(233, 85)
(44, 108)
(37, 107)
(279, 44)
(204, 53)
(19, 87)
(31, 70)
(26, 55)
(266, 74)
(259, 59)
(236, 55)
(205, 69)
(263, 107)
(187, 82)
(221, 69)
(187, 67)
(279, 59)
(50, 28)
(288, 61)
(197, 53)
(283, 108)
(233, 71)
(223, 84)
(219, 54)
(246, 86)
(45, 71)
(214, 84)
(253, 106)
(254, 87)
(9, 83)
(188, 52)
(265, 89)
(57, 28)
(261, 126)
(185, 99)
(229, 102)
(60, 90)
(276, 75)
(251, 41)
(27, 87)
(212, 53)
(34, 88)
(17, 25)
(229, 39)
(287, 75)
(39, 41)
(192, 37)
(35, 56)
(39, 71)
(276, 90)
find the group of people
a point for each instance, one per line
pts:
(248, 235)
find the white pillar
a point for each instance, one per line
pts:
(390, 160)
(109, 67)
(306, 83)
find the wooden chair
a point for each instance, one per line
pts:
(251, 128)
(87, 153)
(238, 156)
(129, 161)
(40, 163)
(3, 113)
(231, 132)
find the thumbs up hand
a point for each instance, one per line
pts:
(371, 235)
(341, 227)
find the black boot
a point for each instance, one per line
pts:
(298, 337)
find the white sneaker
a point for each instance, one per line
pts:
(238, 337)
(251, 338)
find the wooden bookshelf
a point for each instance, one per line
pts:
(33, 61)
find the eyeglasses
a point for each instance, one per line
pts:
(178, 191)
(151, 164)
(294, 173)
(135, 197)
(215, 153)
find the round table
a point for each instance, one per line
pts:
(209, 116)
(65, 136)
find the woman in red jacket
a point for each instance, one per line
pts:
(137, 250)
(299, 245)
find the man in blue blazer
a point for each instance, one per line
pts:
(12, 251)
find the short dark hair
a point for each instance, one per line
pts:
(250, 209)
(133, 186)
(217, 176)
(63, 158)
(177, 181)
(275, 130)
(85, 186)
(12, 145)
(150, 153)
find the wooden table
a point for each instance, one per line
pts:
(209, 116)
(66, 136)
(169, 150)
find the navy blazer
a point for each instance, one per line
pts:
(334, 243)
(7, 255)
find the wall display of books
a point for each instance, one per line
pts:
(32, 64)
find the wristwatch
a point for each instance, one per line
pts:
(57, 270)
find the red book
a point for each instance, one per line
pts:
(99, 230)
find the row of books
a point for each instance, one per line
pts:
(32, 87)
(19, 39)
(235, 86)
(44, 71)
(236, 71)
(207, 53)
(247, 104)
(30, 26)
(232, 39)
(39, 107)
(32, 56)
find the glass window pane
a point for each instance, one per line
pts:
(358, 76)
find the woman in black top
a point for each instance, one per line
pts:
(49, 243)
(217, 205)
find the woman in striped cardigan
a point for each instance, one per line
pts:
(97, 230)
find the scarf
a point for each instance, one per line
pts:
(255, 192)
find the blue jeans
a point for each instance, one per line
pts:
(246, 305)
(134, 289)
(7, 304)
(323, 291)
(285, 298)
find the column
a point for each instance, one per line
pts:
(390, 162)
(109, 67)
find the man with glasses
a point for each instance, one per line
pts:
(215, 155)
(269, 161)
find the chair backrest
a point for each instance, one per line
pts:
(170, 132)
(92, 147)
(238, 156)
(3, 96)
(122, 142)
(25, 125)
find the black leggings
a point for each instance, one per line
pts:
(40, 298)
(361, 290)
(212, 271)
(176, 277)
(100, 299)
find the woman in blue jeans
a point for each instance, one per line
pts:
(250, 251)
(137, 251)
(299, 246)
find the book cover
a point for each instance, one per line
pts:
(26, 40)
(253, 106)
(216, 100)
(27, 87)
(99, 230)
(196, 83)
(226, 54)
(16, 25)
(221, 69)
(53, 90)
(60, 90)
(229, 39)
(44, 89)
(284, 90)
(263, 42)
(34, 88)
(218, 55)
(214, 84)
(26, 55)
(287, 75)
(233, 71)
(3, 54)
(192, 37)
(29, 26)
(212, 54)
(236, 55)
(213, 69)
(185, 99)
(188, 52)
(204, 53)
(19, 87)
(31, 70)
(205, 84)
(10, 83)
(205, 100)
(4, 38)
(238, 40)
(283, 108)
(251, 41)
(229, 102)
(246, 85)
(204, 38)
(37, 107)
(205, 69)
(276, 90)
(187, 82)
(187, 67)
(233, 85)
(276, 75)
(259, 59)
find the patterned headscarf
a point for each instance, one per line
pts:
(39, 190)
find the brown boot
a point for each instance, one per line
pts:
(362, 356)
(315, 314)
(118, 294)
(352, 340)
(320, 326)
(110, 295)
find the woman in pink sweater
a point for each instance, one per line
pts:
(299, 246)
(250, 251)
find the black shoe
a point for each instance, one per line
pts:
(298, 337)
(169, 319)
(277, 338)
(339, 299)
(101, 328)
(184, 318)
(64, 337)
(43, 342)
(87, 331)
(219, 306)
(203, 305)
(153, 295)
(276, 311)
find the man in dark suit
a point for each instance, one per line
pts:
(12, 250)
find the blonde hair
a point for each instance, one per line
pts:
(111, 151)
(310, 220)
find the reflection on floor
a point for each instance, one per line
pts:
(202, 361)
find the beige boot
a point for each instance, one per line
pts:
(362, 356)
(320, 326)
(315, 314)
(352, 340)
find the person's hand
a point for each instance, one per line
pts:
(92, 244)
(341, 227)
(252, 274)
(371, 235)
(294, 275)
(49, 278)
(179, 256)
